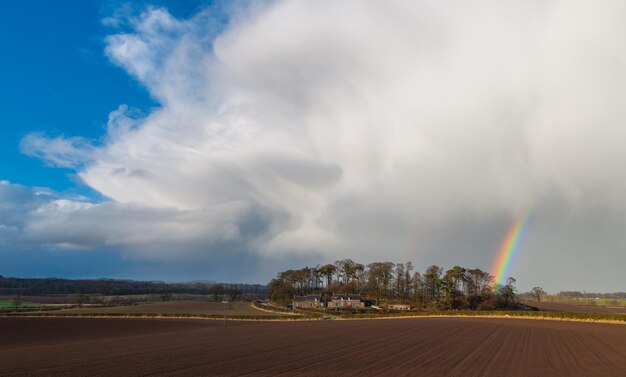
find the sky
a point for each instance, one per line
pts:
(230, 140)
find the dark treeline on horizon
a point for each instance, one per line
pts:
(456, 288)
(431, 286)
(592, 295)
(56, 286)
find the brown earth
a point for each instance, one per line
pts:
(424, 346)
(570, 308)
(177, 307)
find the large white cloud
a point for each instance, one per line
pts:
(344, 128)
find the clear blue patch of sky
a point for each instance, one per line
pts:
(56, 79)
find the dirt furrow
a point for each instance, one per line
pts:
(421, 346)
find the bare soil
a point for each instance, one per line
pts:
(424, 346)
(178, 307)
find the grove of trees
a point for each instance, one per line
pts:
(456, 288)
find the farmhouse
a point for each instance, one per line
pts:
(310, 301)
(345, 301)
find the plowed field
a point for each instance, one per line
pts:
(177, 307)
(424, 346)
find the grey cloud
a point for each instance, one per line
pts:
(154, 233)
(347, 127)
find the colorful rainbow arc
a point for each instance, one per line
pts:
(509, 248)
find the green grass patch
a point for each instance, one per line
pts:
(8, 304)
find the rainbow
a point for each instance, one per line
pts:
(509, 248)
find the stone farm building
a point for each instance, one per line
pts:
(345, 301)
(310, 301)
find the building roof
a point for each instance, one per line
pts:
(346, 297)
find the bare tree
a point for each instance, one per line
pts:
(507, 292)
(538, 292)
(479, 281)
(479, 287)
(79, 299)
(418, 288)
(358, 279)
(379, 278)
(400, 283)
(17, 302)
(432, 282)
(453, 288)
(408, 282)
(216, 290)
(165, 296)
(317, 277)
(345, 270)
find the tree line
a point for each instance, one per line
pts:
(591, 295)
(455, 288)
(49, 286)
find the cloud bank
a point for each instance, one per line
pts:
(374, 130)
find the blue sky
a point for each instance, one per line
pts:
(181, 140)
(56, 79)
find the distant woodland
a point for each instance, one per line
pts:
(53, 286)
(591, 295)
(456, 288)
